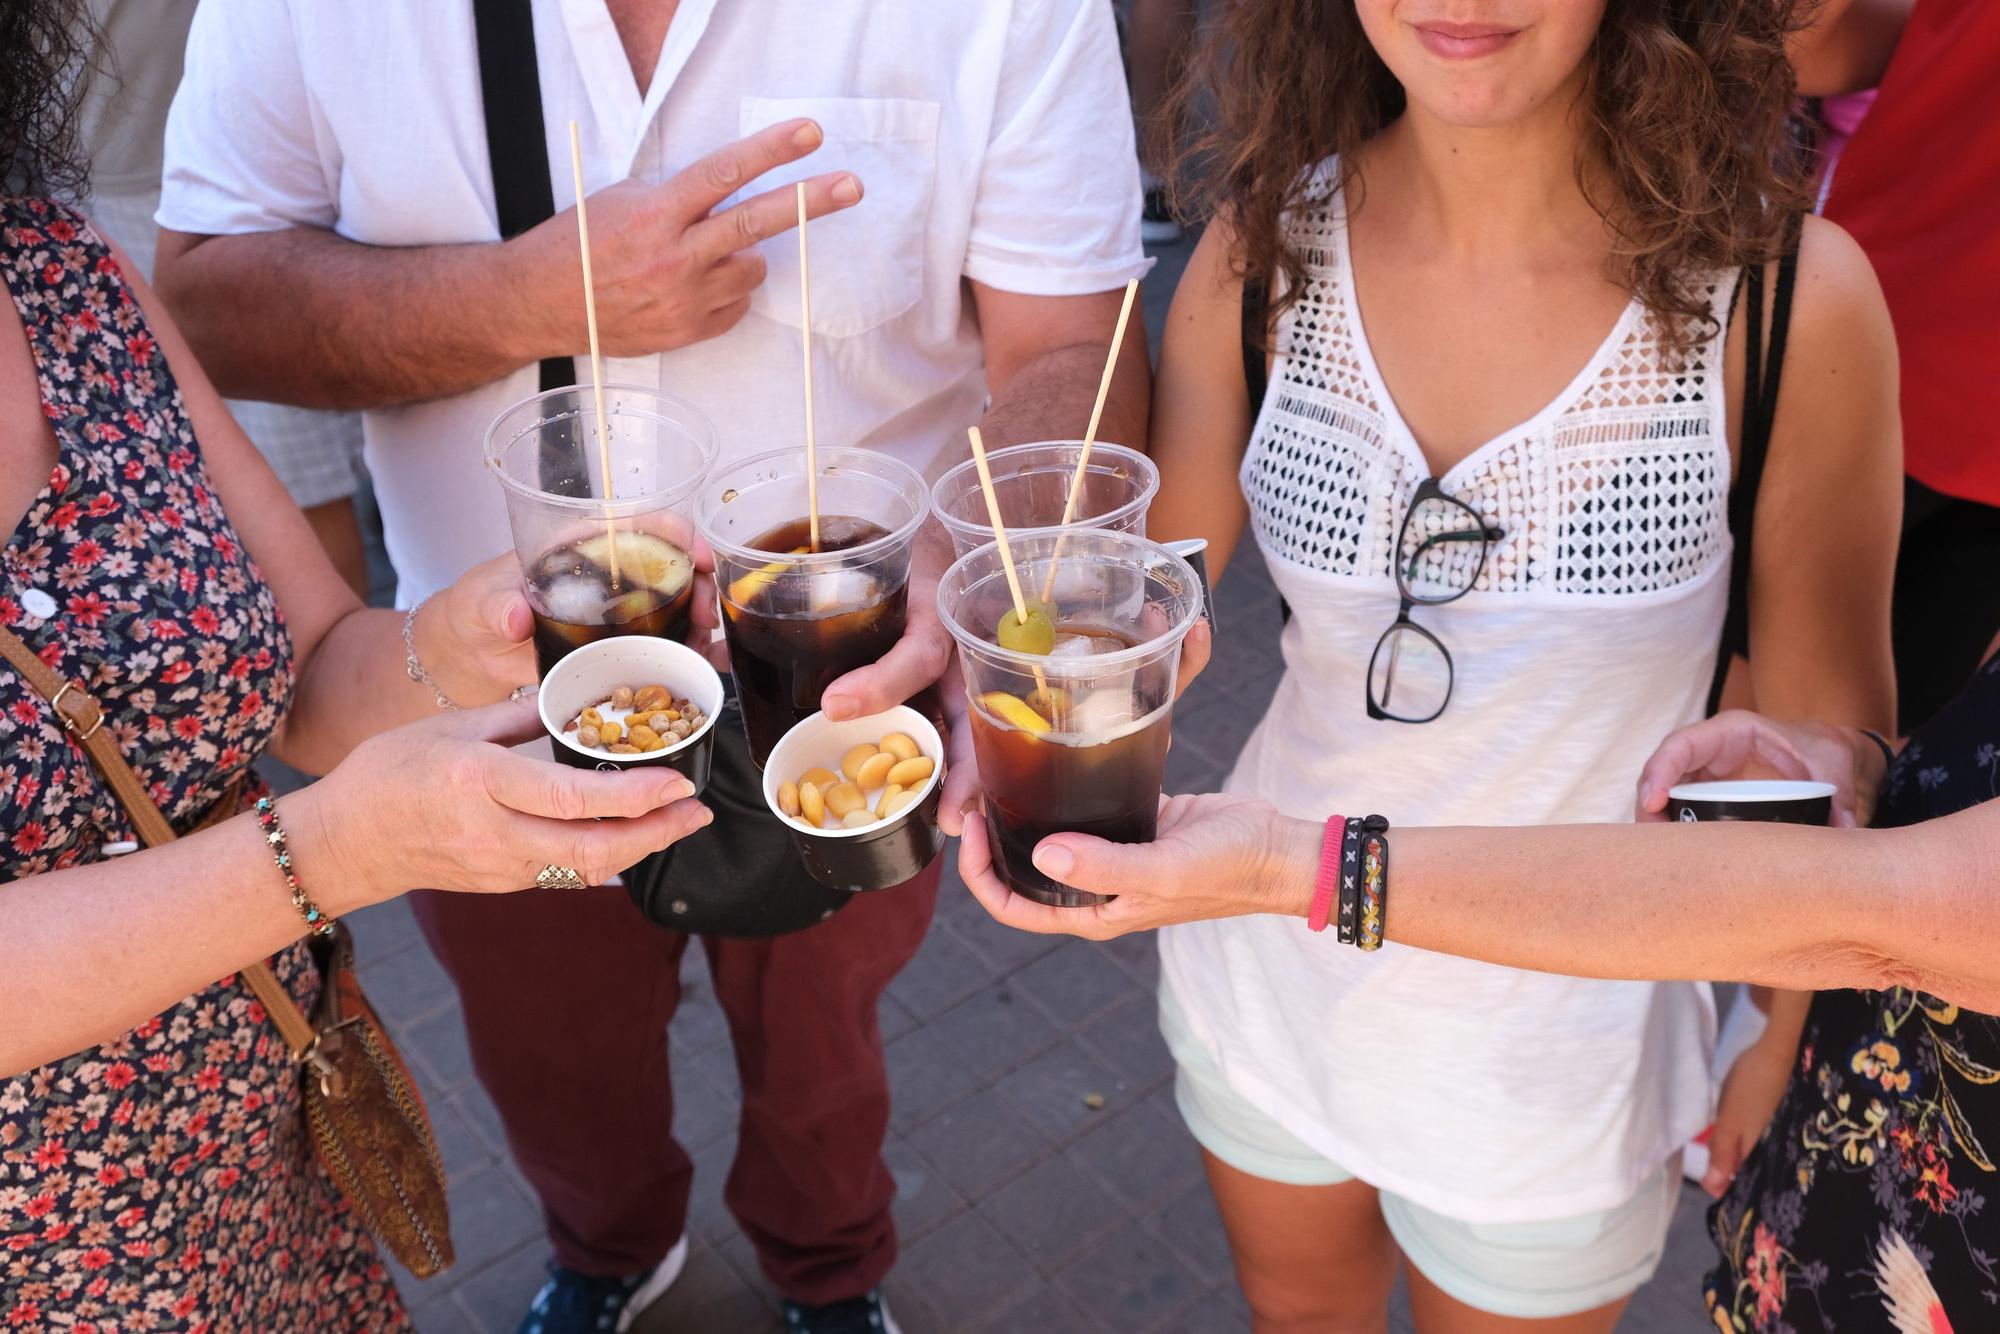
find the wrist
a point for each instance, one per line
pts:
(458, 652)
(531, 267)
(330, 872)
(1290, 866)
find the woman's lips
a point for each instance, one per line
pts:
(1463, 41)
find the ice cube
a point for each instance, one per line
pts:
(575, 599)
(1107, 709)
(841, 590)
(1084, 646)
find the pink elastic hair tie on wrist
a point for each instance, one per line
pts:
(1329, 872)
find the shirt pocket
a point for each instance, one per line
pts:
(868, 260)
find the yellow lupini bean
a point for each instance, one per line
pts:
(874, 772)
(788, 798)
(899, 745)
(844, 800)
(909, 773)
(851, 762)
(858, 818)
(812, 805)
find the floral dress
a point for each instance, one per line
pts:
(1870, 1202)
(162, 1181)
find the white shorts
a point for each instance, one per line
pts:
(1539, 1270)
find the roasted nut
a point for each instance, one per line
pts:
(645, 738)
(649, 698)
(844, 798)
(590, 717)
(586, 735)
(856, 819)
(788, 798)
(909, 773)
(851, 762)
(621, 698)
(899, 745)
(823, 779)
(611, 731)
(875, 772)
(680, 729)
(892, 806)
(659, 720)
(811, 804)
(622, 749)
(571, 725)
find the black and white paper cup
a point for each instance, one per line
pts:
(1770, 801)
(586, 677)
(878, 855)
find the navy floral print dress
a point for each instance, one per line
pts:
(162, 1181)
(1873, 1200)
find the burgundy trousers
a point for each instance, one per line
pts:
(567, 995)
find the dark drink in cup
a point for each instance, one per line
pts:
(796, 618)
(1073, 740)
(600, 520)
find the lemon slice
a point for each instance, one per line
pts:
(643, 560)
(1014, 712)
(750, 585)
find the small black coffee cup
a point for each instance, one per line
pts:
(1770, 801)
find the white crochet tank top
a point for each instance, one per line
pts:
(1485, 1093)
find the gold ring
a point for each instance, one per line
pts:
(558, 877)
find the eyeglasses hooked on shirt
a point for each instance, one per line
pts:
(1441, 551)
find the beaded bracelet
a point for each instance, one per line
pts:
(1374, 891)
(317, 922)
(1329, 873)
(1350, 881)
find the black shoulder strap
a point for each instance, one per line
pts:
(516, 143)
(1256, 315)
(1763, 367)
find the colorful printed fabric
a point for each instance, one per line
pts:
(1870, 1202)
(162, 1181)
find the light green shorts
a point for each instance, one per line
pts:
(1536, 1270)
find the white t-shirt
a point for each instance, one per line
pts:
(993, 140)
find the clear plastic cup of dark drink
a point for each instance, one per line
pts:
(602, 554)
(1032, 485)
(796, 618)
(1073, 740)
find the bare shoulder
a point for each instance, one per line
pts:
(1212, 277)
(1838, 296)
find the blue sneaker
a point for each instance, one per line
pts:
(574, 1303)
(867, 1314)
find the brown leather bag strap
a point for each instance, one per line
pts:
(83, 719)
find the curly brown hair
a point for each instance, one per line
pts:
(1688, 104)
(45, 48)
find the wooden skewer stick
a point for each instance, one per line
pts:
(1090, 434)
(805, 333)
(1000, 540)
(596, 363)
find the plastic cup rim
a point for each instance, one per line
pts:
(984, 531)
(816, 560)
(1171, 637)
(622, 507)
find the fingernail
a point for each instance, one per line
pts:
(847, 191)
(707, 818)
(837, 708)
(680, 790)
(806, 136)
(1053, 859)
(1713, 1182)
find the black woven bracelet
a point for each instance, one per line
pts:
(1350, 883)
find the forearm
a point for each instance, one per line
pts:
(1050, 397)
(1771, 904)
(93, 951)
(306, 317)
(356, 684)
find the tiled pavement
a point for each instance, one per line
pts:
(1021, 1206)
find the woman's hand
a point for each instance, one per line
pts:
(1750, 1095)
(1737, 744)
(473, 636)
(1214, 856)
(444, 804)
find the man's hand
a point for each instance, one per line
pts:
(1737, 744)
(669, 270)
(917, 660)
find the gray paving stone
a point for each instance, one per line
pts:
(944, 973)
(444, 1061)
(1047, 1312)
(966, 1272)
(1139, 955)
(1002, 948)
(698, 1026)
(1191, 1228)
(981, 1144)
(924, 1198)
(1128, 1040)
(460, 1145)
(1075, 983)
(994, 1031)
(496, 1297)
(1223, 1311)
(1190, 768)
(703, 1113)
(1123, 1283)
(1144, 1156)
(406, 986)
(479, 1112)
(490, 1216)
(1053, 1212)
(1051, 1090)
(447, 1317)
(710, 1295)
(708, 1217)
(383, 930)
(893, 1018)
(925, 1077)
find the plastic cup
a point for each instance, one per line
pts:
(1074, 741)
(877, 855)
(1032, 485)
(588, 675)
(797, 620)
(602, 555)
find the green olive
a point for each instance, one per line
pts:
(1036, 635)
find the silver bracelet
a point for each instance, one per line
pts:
(410, 662)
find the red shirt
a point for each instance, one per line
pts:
(1919, 188)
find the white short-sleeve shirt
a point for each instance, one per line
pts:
(993, 139)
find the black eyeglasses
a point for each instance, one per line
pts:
(1440, 554)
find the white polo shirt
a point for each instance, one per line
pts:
(993, 139)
